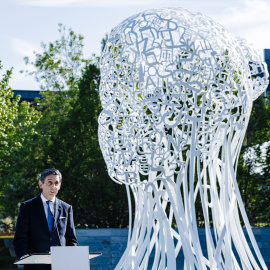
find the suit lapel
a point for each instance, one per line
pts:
(58, 211)
(41, 214)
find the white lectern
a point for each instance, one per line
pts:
(63, 258)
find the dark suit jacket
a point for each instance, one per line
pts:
(32, 233)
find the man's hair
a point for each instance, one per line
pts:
(47, 172)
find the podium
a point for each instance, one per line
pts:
(63, 258)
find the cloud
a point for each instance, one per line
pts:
(249, 20)
(20, 81)
(251, 13)
(24, 47)
(96, 3)
(19, 48)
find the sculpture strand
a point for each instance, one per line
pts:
(177, 92)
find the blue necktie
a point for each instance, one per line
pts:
(49, 216)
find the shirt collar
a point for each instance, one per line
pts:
(44, 200)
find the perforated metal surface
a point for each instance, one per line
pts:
(177, 91)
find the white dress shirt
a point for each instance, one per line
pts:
(45, 205)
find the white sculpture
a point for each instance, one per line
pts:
(177, 91)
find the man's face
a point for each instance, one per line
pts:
(50, 187)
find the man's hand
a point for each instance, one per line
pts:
(24, 256)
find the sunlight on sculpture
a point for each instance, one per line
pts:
(177, 91)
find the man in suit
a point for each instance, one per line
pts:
(44, 221)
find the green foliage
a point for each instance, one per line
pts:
(63, 133)
(103, 42)
(258, 130)
(17, 123)
(6, 225)
(8, 114)
(66, 137)
(253, 172)
(6, 261)
(97, 201)
(60, 65)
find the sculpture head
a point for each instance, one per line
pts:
(172, 81)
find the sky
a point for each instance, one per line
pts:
(24, 24)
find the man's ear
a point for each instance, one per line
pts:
(40, 184)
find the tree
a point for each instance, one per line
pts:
(258, 130)
(17, 122)
(254, 163)
(67, 137)
(97, 201)
(8, 113)
(59, 67)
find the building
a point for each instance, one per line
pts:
(27, 95)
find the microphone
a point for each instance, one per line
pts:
(55, 226)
